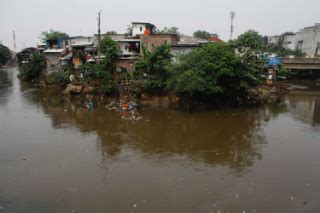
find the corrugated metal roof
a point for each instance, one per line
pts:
(127, 40)
(53, 51)
(191, 40)
(82, 44)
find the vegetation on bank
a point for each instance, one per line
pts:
(34, 69)
(215, 73)
(5, 55)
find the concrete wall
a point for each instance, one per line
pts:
(289, 42)
(307, 40)
(310, 37)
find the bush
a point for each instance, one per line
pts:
(211, 72)
(155, 64)
(5, 54)
(34, 69)
(61, 77)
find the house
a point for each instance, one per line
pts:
(73, 40)
(288, 40)
(52, 57)
(186, 44)
(307, 40)
(24, 55)
(153, 40)
(129, 47)
(214, 38)
(142, 28)
(78, 52)
(126, 64)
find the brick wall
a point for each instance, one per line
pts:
(154, 40)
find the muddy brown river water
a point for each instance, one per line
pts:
(57, 157)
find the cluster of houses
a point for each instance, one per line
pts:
(307, 40)
(76, 50)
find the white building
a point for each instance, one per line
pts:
(307, 40)
(140, 28)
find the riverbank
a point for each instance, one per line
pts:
(262, 94)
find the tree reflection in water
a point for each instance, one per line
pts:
(227, 138)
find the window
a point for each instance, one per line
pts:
(126, 47)
(140, 29)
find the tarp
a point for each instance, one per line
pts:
(274, 61)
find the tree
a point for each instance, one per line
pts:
(250, 46)
(209, 73)
(167, 30)
(201, 34)
(112, 32)
(53, 35)
(249, 41)
(5, 54)
(155, 64)
(110, 49)
(129, 30)
(33, 70)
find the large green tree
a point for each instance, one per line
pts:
(5, 54)
(210, 73)
(103, 71)
(34, 70)
(201, 34)
(155, 64)
(250, 47)
(110, 49)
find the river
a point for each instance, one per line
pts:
(57, 157)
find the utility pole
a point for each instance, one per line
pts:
(14, 41)
(99, 35)
(232, 16)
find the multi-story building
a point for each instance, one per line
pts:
(307, 40)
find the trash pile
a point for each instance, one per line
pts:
(122, 106)
(128, 110)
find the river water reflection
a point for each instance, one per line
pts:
(57, 157)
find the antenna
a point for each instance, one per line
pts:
(232, 16)
(99, 35)
(14, 41)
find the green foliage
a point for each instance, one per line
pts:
(168, 30)
(107, 84)
(155, 65)
(202, 34)
(53, 35)
(80, 54)
(283, 72)
(5, 54)
(250, 46)
(249, 41)
(34, 69)
(61, 77)
(283, 52)
(112, 32)
(110, 49)
(212, 71)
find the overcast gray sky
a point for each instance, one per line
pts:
(78, 17)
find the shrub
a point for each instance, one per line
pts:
(34, 69)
